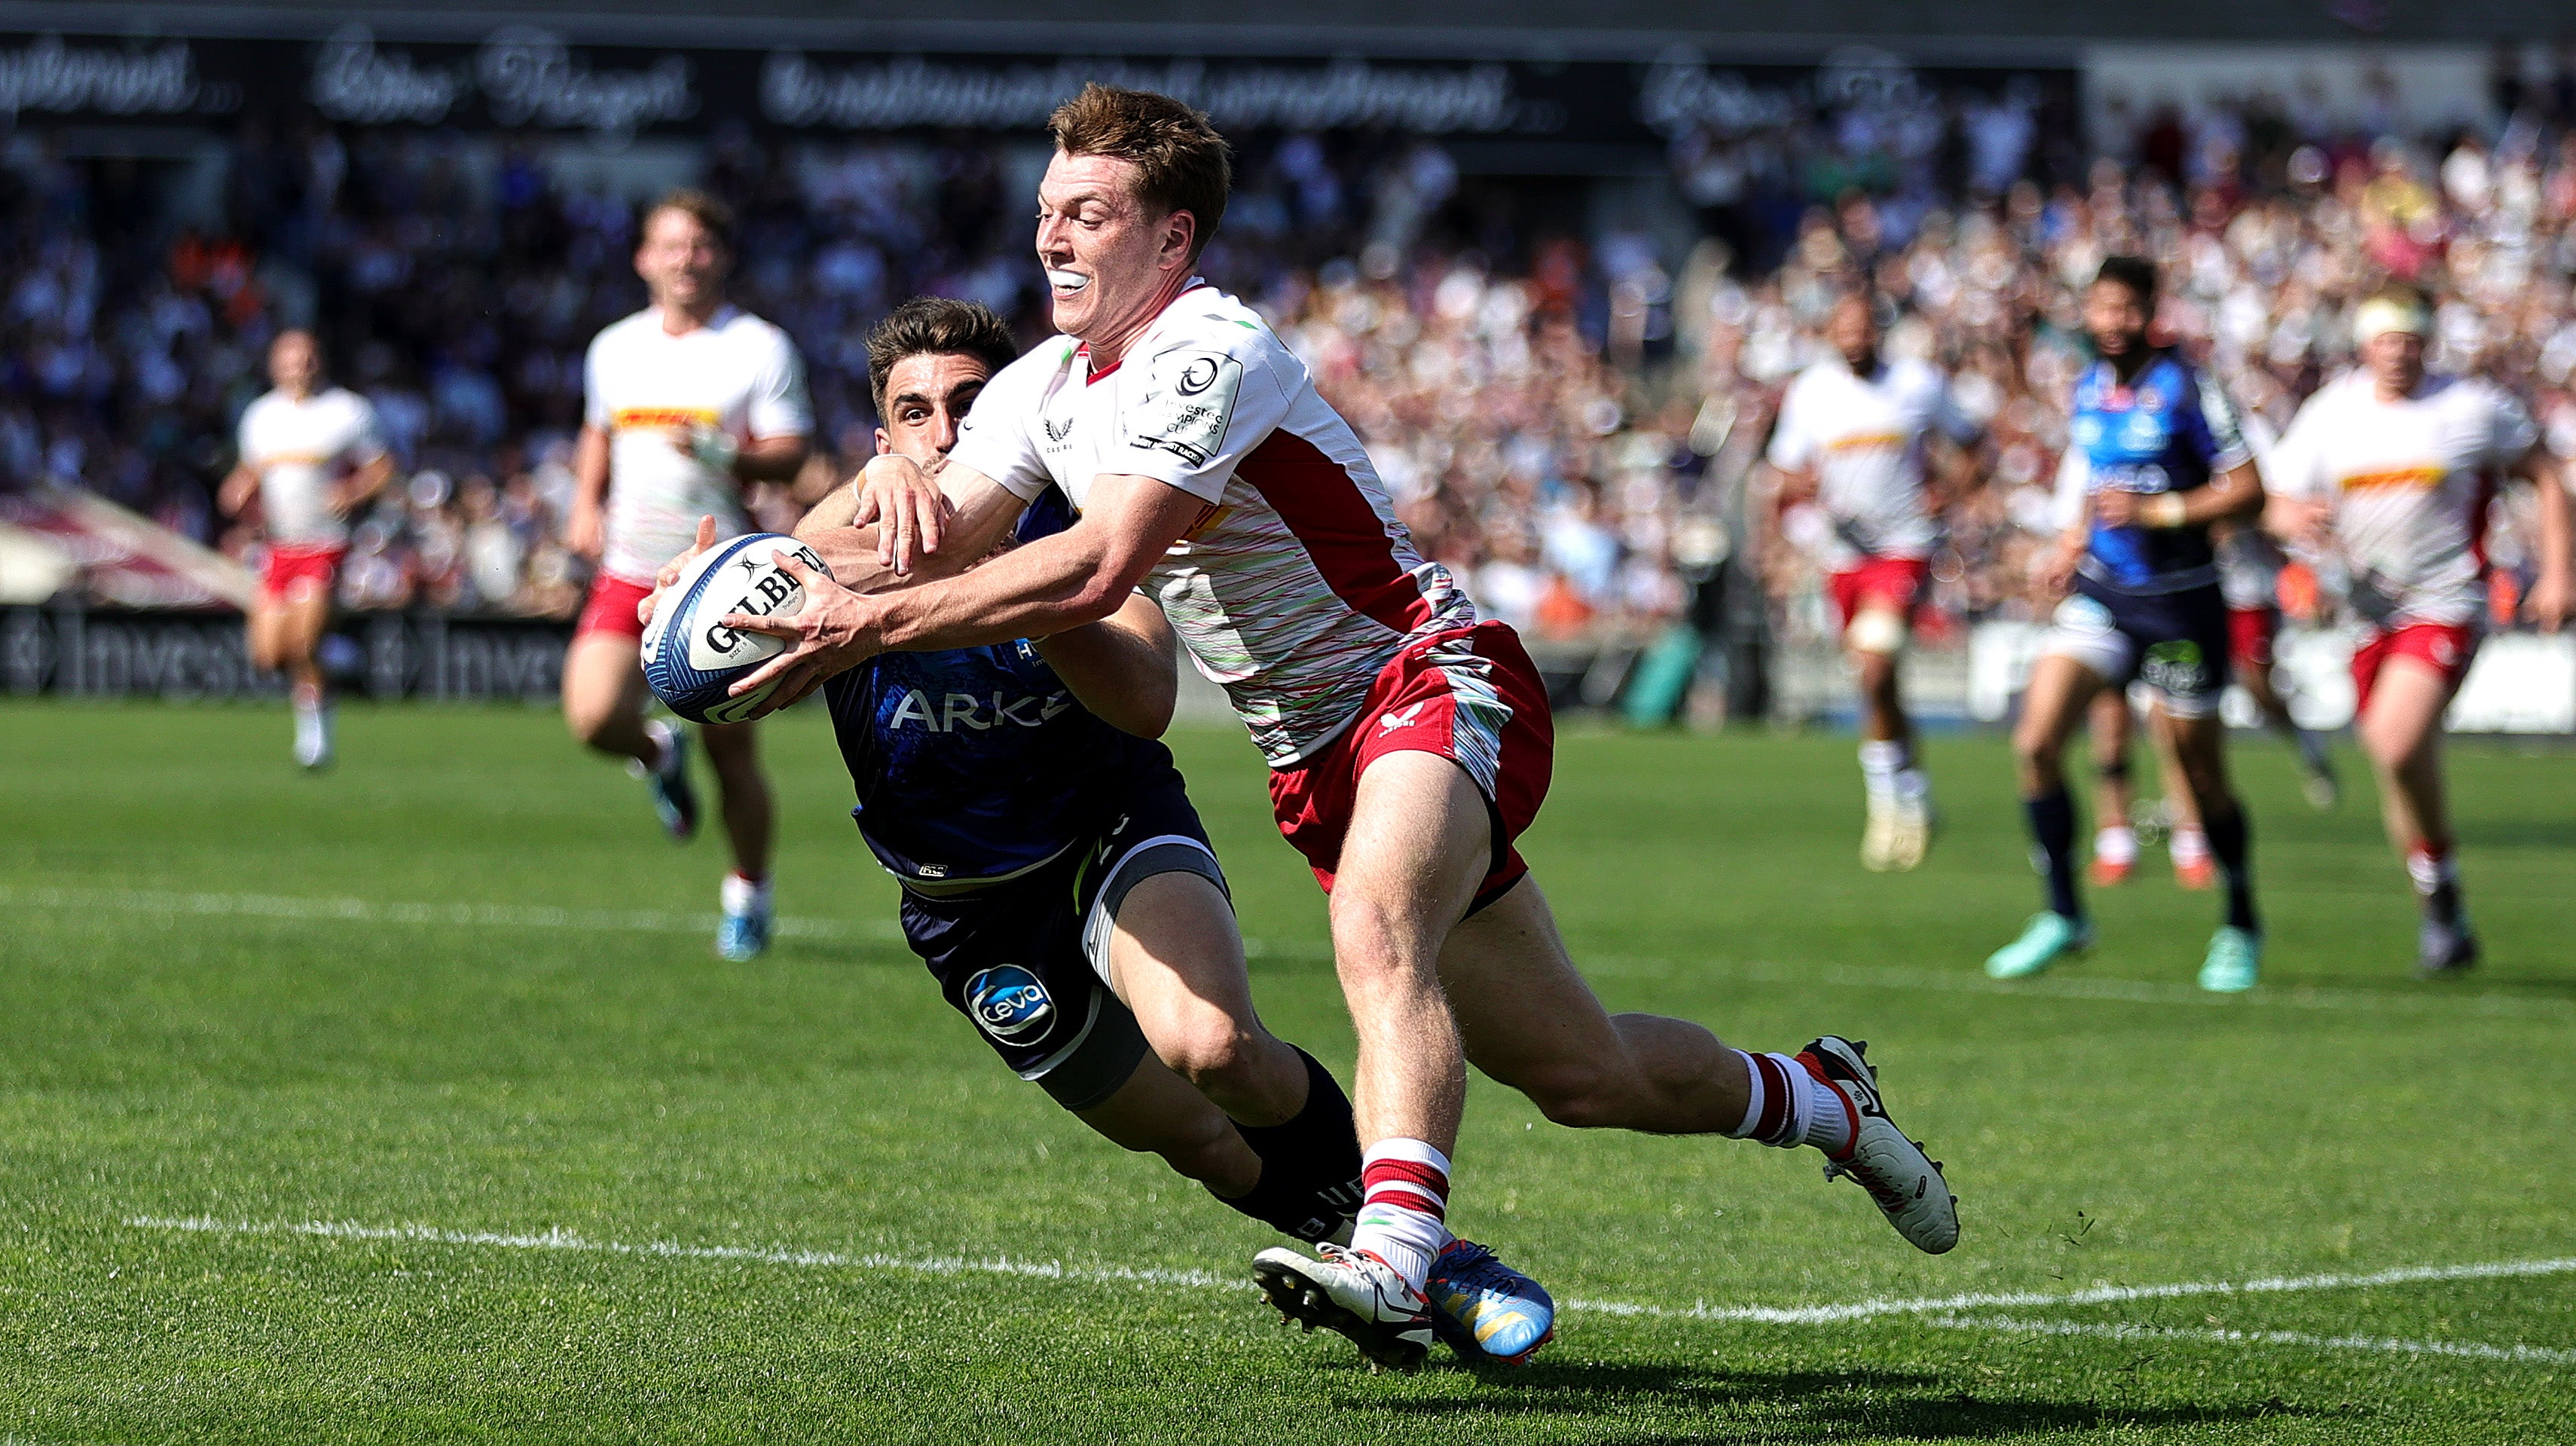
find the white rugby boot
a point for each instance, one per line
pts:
(1911, 837)
(1907, 1183)
(1880, 846)
(1351, 1293)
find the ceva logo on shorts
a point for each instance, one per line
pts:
(1009, 1003)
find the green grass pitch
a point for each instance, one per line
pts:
(409, 1103)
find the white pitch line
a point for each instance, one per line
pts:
(368, 911)
(527, 916)
(1940, 1311)
(2474, 1350)
(2105, 1294)
(810, 1259)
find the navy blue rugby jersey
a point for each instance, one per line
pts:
(977, 763)
(2170, 430)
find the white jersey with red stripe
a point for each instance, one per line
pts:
(1865, 438)
(298, 449)
(647, 389)
(2408, 482)
(1297, 583)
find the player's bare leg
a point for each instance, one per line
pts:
(603, 706)
(733, 751)
(2052, 705)
(1419, 842)
(2401, 731)
(1159, 1113)
(284, 634)
(1529, 1021)
(603, 697)
(1501, 990)
(2186, 835)
(1176, 960)
(2115, 834)
(1900, 803)
(2200, 749)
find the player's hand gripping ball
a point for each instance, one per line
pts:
(690, 658)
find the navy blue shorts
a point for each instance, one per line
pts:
(1027, 958)
(2175, 642)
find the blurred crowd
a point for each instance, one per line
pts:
(456, 282)
(1569, 419)
(2264, 255)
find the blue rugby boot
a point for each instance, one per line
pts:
(674, 800)
(2048, 935)
(744, 933)
(1485, 1310)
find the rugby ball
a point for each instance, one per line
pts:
(690, 657)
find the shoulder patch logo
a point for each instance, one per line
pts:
(1187, 401)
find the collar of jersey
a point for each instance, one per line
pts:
(1082, 349)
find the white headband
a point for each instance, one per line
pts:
(2379, 315)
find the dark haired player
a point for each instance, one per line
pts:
(2155, 456)
(1059, 885)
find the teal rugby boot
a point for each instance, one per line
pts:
(2048, 935)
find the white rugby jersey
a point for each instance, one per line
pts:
(1865, 439)
(298, 449)
(1297, 584)
(2409, 482)
(643, 386)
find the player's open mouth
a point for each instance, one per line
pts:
(1066, 283)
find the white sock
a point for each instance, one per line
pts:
(1786, 1106)
(2117, 844)
(742, 896)
(1913, 785)
(2188, 846)
(665, 743)
(1880, 761)
(1401, 1220)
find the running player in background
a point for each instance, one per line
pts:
(2389, 472)
(685, 401)
(2155, 456)
(1409, 742)
(2249, 577)
(313, 456)
(1855, 434)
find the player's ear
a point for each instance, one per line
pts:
(1180, 229)
(883, 446)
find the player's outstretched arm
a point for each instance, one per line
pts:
(1077, 576)
(2553, 592)
(1125, 668)
(849, 532)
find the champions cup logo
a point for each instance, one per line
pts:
(1198, 376)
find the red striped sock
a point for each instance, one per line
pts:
(1776, 1109)
(1406, 1201)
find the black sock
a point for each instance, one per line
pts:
(2052, 827)
(2231, 838)
(1310, 1165)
